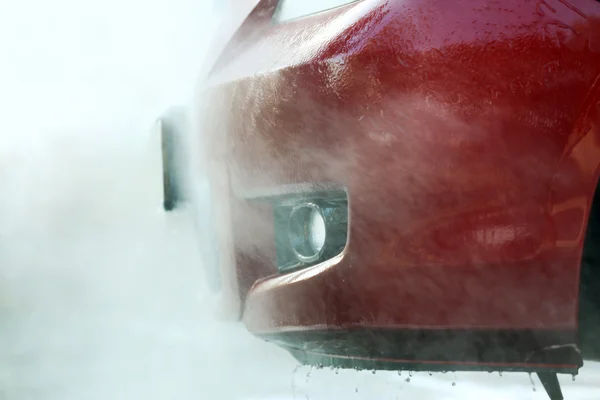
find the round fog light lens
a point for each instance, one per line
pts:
(307, 232)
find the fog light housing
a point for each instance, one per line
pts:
(310, 228)
(307, 232)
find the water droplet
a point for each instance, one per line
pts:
(407, 380)
(337, 371)
(320, 366)
(399, 373)
(356, 390)
(374, 372)
(453, 383)
(500, 373)
(430, 373)
(410, 373)
(532, 382)
(294, 380)
(573, 376)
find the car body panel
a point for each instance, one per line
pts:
(466, 136)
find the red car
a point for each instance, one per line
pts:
(410, 184)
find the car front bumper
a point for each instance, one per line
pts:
(467, 195)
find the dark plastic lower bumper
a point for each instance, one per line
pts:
(435, 350)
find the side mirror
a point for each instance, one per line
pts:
(172, 127)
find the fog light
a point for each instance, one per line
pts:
(307, 232)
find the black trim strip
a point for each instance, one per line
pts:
(435, 350)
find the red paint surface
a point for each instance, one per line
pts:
(467, 134)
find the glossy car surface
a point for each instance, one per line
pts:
(466, 136)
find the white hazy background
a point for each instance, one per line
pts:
(101, 293)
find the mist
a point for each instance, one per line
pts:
(101, 292)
